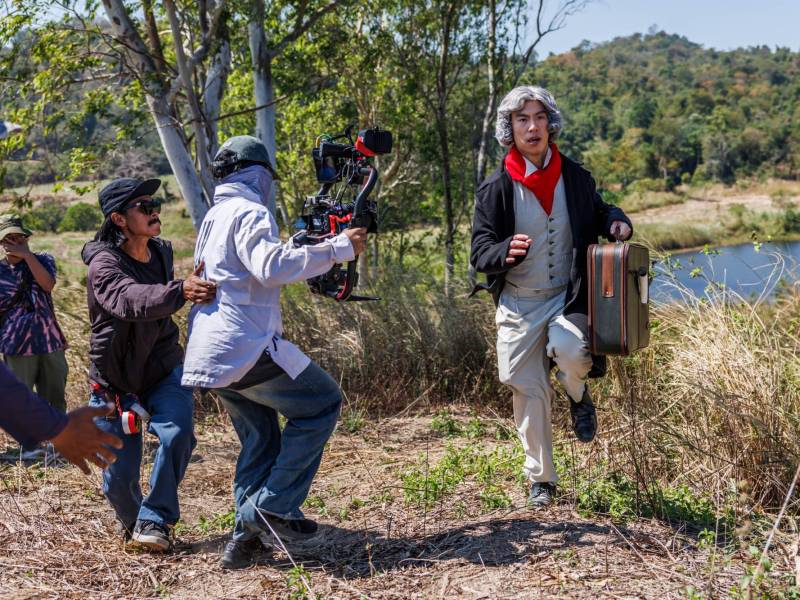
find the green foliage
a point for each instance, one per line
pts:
(425, 484)
(81, 217)
(444, 423)
(353, 419)
(297, 580)
(215, 523)
(47, 216)
(609, 491)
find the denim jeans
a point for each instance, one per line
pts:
(275, 468)
(170, 406)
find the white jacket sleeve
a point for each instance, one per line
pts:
(275, 263)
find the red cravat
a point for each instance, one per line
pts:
(542, 182)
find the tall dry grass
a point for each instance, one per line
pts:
(413, 347)
(712, 404)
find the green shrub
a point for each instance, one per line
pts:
(47, 216)
(647, 185)
(611, 196)
(81, 217)
(444, 423)
(790, 220)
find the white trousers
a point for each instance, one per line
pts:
(531, 329)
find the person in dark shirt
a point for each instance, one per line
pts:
(136, 357)
(31, 420)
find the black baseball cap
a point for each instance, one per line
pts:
(119, 192)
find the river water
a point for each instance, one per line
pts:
(750, 270)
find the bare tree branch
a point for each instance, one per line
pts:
(556, 22)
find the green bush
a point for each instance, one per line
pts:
(647, 185)
(790, 220)
(45, 217)
(81, 217)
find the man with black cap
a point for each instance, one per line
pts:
(136, 358)
(236, 347)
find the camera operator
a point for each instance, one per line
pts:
(236, 347)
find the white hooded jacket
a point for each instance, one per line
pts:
(239, 243)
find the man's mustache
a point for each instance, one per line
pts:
(153, 221)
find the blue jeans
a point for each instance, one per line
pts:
(170, 406)
(275, 469)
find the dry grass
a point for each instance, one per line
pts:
(55, 531)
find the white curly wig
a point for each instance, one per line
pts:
(514, 101)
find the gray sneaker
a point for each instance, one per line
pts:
(542, 494)
(152, 536)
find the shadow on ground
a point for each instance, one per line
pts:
(504, 541)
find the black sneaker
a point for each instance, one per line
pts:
(124, 531)
(542, 494)
(584, 417)
(291, 530)
(152, 536)
(239, 555)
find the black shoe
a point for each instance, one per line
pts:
(152, 536)
(124, 531)
(584, 417)
(239, 555)
(542, 494)
(291, 530)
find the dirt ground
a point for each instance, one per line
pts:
(709, 207)
(57, 540)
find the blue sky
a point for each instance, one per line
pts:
(721, 24)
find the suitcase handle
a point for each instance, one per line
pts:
(642, 283)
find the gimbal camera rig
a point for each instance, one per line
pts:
(328, 213)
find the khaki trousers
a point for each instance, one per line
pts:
(531, 329)
(47, 373)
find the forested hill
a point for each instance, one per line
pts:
(659, 106)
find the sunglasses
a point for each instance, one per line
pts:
(148, 207)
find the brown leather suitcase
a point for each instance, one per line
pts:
(619, 300)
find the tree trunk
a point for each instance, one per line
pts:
(198, 118)
(215, 88)
(261, 60)
(179, 159)
(488, 113)
(449, 229)
(168, 125)
(480, 170)
(441, 126)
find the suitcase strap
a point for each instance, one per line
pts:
(607, 274)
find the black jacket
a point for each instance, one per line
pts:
(493, 227)
(134, 342)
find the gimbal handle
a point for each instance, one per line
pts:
(360, 219)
